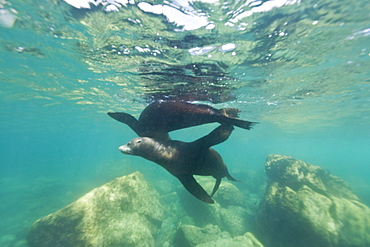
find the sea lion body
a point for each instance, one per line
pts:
(185, 159)
(159, 118)
(175, 156)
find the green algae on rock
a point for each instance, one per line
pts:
(304, 205)
(123, 212)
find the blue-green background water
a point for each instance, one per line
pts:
(300, 69)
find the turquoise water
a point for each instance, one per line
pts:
(300, 68)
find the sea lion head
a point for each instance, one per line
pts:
(138, 146)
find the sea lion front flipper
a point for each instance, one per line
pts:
(194, 188)
(217, 184)
(126, 119)
(218, 135)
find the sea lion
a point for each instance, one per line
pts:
(159, 118)
(185, 159)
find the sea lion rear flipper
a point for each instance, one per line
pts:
(126, 119)
(217, 184)
(237, 122)
(218, 135)
(230, 177)
(194, 188)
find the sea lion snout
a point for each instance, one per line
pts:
(126, 149)
(132, 146)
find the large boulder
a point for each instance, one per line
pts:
(123, 212)
(304, 205)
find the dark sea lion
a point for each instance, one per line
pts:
(185, 159)
(159, 118)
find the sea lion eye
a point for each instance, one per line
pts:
(138, 141)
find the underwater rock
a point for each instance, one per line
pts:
(229, 195)
(304, 205)
(164, 187)
(211, 235)
(188, 235)
(174, 215)
(246, 240)
(123, 212)
(230, 212)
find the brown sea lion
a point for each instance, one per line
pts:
(159, 118)
(185, 159)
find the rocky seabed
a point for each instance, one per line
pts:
(295, 204)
